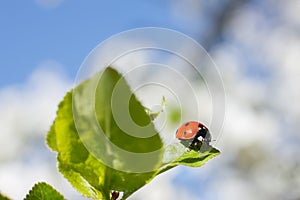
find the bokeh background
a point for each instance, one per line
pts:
(255, 44)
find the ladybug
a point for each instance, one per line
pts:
(193, 134)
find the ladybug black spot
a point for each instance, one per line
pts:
(176, 131)
(186, 124)
(184, 133)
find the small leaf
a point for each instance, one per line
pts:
(43, 191)
(152, 114)
(3, 197)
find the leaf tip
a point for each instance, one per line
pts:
(43, 191)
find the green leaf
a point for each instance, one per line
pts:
(43, 191)
(177, 154)
(3, 197)
(97, 162)
(106, 141)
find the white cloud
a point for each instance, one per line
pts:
(28, 110)
(162, 187)
(291, 11)
(261, 111)
(17, 178)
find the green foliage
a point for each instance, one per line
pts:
(43, 191)
(106, 141)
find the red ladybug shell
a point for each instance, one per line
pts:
(188, 130)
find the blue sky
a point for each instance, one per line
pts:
(31, 34)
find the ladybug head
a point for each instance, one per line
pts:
(207, 137)
(204, 134)
(201, 141)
